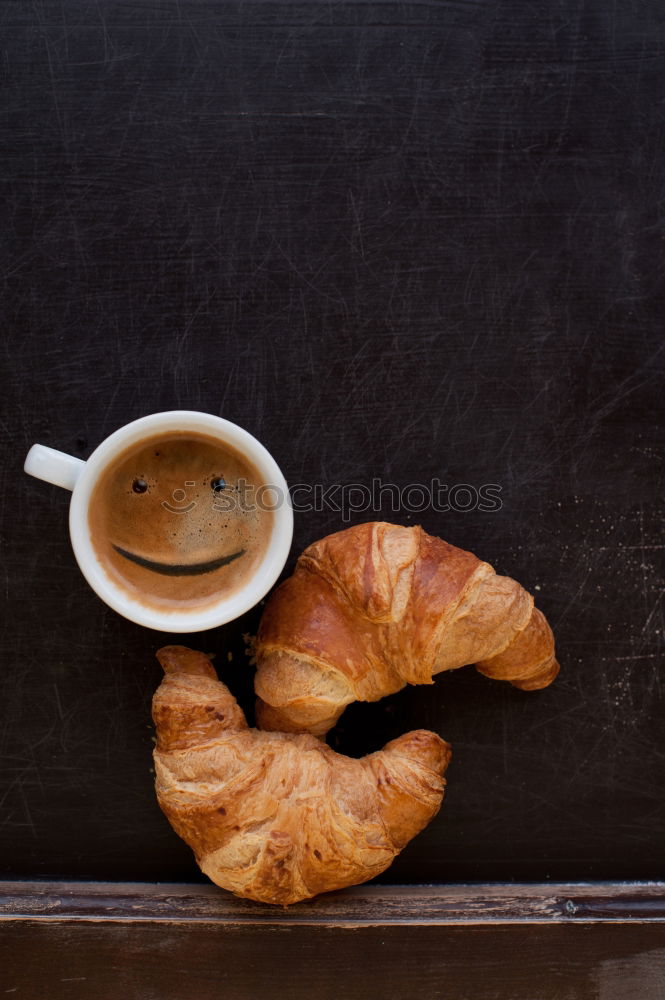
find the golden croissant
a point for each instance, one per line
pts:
(378, 606)
(278, 817)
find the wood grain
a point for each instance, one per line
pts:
(555, 942)
(362, 906)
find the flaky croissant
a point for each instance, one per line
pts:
(278, 817)
(377, 606)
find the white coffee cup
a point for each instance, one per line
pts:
(81, 478)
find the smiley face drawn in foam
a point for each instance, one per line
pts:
(170, 518)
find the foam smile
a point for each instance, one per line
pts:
(179, 569)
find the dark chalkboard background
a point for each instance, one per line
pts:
(395, 240)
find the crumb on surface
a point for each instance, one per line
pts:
(250, 646)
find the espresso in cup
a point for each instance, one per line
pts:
(181, 520)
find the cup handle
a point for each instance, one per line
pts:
(53, 466)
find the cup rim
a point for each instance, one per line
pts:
(226, 609)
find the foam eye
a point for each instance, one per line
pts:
(218, 484)
(139, 486)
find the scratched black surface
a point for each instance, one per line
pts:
(396, 240)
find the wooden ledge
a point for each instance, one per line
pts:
(373, 905)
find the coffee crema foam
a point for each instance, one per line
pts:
(180, 520)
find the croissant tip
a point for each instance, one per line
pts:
(181, 659)
(424, 746)
(542, 679)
